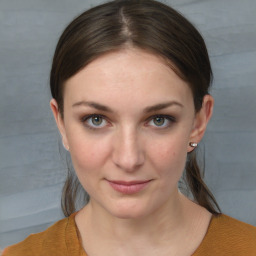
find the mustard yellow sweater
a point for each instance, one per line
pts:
(225, 236)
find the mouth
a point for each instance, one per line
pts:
(128, 187)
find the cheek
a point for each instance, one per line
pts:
(88, 153)
(169, 156)
(88, 158)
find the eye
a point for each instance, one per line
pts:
(94, 121)
(161, 121)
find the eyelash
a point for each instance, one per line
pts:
(168, 118)
(85, 119)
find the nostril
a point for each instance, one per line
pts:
(129, 163)
(128, 160)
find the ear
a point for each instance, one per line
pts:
(201, 120)
(60, 122)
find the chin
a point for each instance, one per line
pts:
(128, 210)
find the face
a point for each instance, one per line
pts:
(128, 120)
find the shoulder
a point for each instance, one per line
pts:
(236, 229)
(228, 236)
(51, 238)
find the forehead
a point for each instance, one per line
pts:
(127, 73)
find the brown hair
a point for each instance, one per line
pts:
(148, 25)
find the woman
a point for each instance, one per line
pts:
(130, 86)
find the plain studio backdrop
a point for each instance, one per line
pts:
(32, 170)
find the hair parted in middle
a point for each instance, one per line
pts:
(148, 25)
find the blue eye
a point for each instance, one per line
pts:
(94, 121)
(161, 121)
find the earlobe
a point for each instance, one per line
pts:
(201, 120)
(59, 121)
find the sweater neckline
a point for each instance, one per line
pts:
(74, 241)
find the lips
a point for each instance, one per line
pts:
(128, 187)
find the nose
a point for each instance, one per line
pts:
(128, 153)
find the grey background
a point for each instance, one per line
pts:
(31, 169)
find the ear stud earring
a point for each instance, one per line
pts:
(193, 144)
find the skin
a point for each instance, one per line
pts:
(128, 144)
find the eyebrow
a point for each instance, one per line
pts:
(93, 105)
(149, 109)
(162, 106)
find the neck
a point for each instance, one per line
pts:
(176, 223)
(168, 219)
